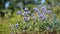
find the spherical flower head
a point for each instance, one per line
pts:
(25, 14)
(17, 25)
(35, 9)
(19, 12)
(49, 12)
(38, 12)
(43, 8)
(26, 8)
(45, 12)
(26, 18)
(42, 16)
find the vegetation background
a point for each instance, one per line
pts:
(8, 17)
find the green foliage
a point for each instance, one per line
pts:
(32, 25)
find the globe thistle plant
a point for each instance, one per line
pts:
(19, 12)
